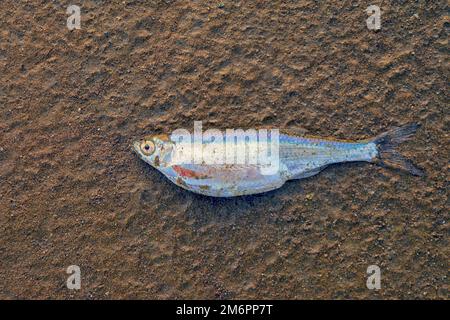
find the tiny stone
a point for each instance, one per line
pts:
(309, 196)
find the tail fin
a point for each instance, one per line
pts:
(387, 143)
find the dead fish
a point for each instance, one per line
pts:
(299, 157)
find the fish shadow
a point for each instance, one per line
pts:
(205, 209)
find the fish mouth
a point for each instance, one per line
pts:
(135, 147)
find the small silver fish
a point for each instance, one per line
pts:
(299, 157)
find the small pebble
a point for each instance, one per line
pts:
(309, 196)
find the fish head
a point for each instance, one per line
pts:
(156, 150)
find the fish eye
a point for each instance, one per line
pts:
(147, 147)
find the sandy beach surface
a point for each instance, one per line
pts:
(73, 193)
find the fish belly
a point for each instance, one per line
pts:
(224, 180)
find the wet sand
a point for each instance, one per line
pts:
(73, 193)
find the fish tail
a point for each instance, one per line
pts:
(387, 144)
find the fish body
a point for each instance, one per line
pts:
(298, 157)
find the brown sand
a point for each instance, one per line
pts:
(72, 192)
